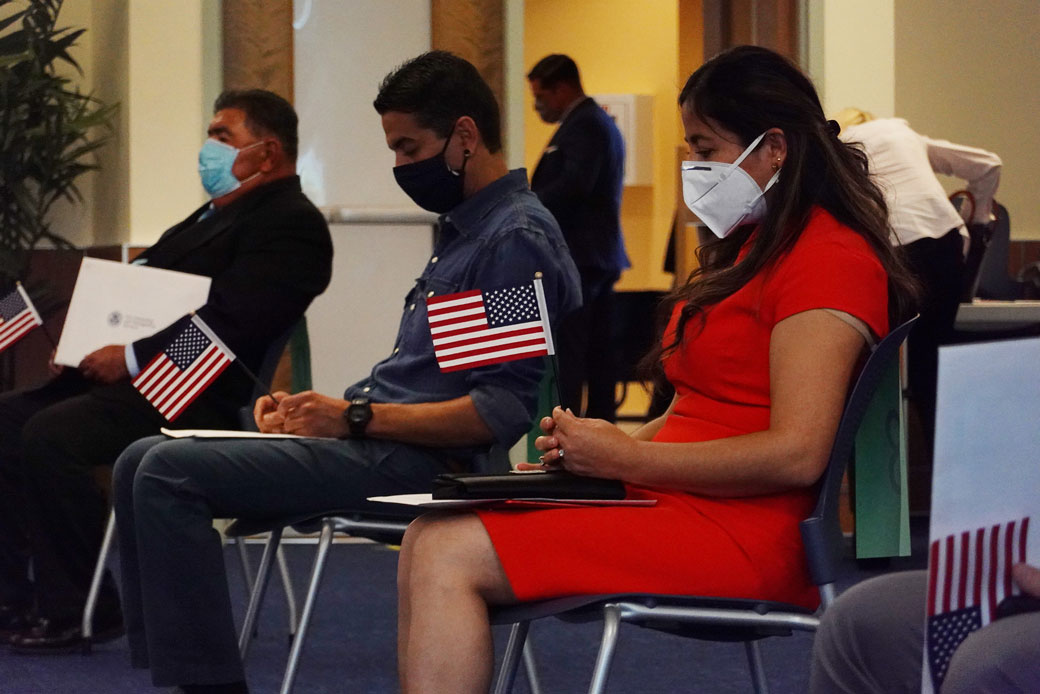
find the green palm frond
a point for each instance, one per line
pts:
(49, 131)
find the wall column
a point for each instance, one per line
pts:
(474, 30)
(258, 45)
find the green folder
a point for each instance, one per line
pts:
(546, 402)
(882, 505)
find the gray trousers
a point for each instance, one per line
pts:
(167, 492)
(871, 640)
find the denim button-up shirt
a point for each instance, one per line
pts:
(498, 238)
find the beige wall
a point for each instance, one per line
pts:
(969, 71)
(161, 62)
(961, 70)
(74, 221)
(173, 79)
(110, 39)
(852, 54)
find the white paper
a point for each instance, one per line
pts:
(115, 304)
(987, 450)
(427, 501)
(987, 438)
(225, 434)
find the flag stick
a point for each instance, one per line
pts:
(54, 345)
(197, 320)
(256, 380)
(28, 302)
(543, 311)
(556, 379)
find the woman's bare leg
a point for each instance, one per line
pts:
(447, 575)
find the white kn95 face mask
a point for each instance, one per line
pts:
(724, 196)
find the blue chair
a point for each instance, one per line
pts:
(993, 280)
(722, 619)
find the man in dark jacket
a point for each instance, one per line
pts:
(269, 253)
(579, 179)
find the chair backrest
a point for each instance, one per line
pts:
(979, 236)
(994, 281)
(265, 374)
(821, 533)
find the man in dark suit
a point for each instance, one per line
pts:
(269, 253)
(579, 178)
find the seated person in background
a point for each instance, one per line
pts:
(761, 347)
(928, 227)
(392, 432)
(269, 253)
(870, 641)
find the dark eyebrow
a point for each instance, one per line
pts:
(218, 130)
(694, 139)
(399, 142)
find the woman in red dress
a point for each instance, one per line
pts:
(762, 344)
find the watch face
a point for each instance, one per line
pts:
(359, 413)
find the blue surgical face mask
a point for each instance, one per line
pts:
(215, 161)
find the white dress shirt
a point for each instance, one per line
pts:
(904, 164)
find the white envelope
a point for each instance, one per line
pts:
(115, 304)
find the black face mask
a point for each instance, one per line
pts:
(431, 183)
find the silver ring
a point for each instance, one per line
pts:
(559, 454)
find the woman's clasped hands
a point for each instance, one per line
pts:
(590, 447)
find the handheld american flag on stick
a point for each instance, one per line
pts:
(179, 374)
(17, 317)
(968, 575)
(476, 328)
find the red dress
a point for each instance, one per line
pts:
(695, 545)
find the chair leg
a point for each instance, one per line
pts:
(290, 594)
(324, 542)
(511, 658)
(256, 595)
(95, 583)
(758, 670)
(533, 682)
(243, 558)
(611, 624)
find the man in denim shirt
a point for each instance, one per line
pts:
(392, 432)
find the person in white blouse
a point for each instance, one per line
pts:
(930, 229)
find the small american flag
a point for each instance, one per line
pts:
(179, 374)
(17, 317)
(968, 575)
(476, 328)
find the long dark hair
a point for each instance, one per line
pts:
(748, 90)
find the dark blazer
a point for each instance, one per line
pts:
(269, 254)
(579, 178)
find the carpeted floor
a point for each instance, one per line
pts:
(351, 644)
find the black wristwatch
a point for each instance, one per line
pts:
(358, 414)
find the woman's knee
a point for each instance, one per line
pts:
(451, 552)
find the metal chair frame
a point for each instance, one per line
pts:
(724, 619)
(331, 522)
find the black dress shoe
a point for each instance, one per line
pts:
(13, 621)
(50, 636)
